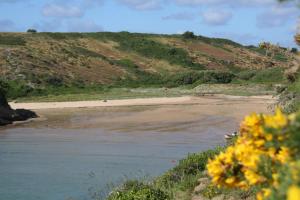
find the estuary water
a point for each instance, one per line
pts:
(75, 154)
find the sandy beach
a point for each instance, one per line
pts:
(147, 113)
(133, 102)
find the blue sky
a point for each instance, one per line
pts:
(245, 21)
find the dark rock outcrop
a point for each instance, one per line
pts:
(8, 115)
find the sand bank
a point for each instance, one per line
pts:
(131, 102)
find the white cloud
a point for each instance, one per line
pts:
(59, 10)
(180, 16)
(142, 4)
(86, 4)
(216, 17)
(276, 16)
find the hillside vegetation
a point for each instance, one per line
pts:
(34, 64)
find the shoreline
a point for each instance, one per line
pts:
(130, 102)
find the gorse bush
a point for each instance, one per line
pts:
(266, 155)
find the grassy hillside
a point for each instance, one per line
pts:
(58, 63)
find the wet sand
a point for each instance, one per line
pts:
(176, 113)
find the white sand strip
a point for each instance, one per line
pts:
(108, 103)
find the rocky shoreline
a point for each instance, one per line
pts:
(9, 115)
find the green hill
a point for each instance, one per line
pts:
(45, 63)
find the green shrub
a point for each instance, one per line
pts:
(218, 41)
(15, 89)
(62, 36)
(188, 35)
(146, 79)
(270, 75)
(135, 190)
(218, 77)
(4, 87)
(280, 57)
(55, 81)
(31, 31)
(127, 64)
(294, 50)
(246, 75)
(142, 44)
(211, 191)
(12, 40)
(85, 52)
(192, 165)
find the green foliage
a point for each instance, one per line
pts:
(61, 36)
(192, 165)
(4, 87)
(280, 57)
(289, 96)
(142, 44)
(288, 173)
(31, 31)
(146, 79)
(246, 75)
(294, 50)
(152, 49)
(257, 50)
(55, 81)
(181, 178)
(128, 64)
(188, 35)
(294, 140)
(85, 52)
(211, 191)
(136, 76)
(200, 78)
(269, 75)
(15, 89)
(135, 190)
(218, 41)
(12, 40)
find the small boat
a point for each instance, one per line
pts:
(230, 136)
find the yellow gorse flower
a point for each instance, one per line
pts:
(293, 193)
(238, 165)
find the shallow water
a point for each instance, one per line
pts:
(59, 159)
